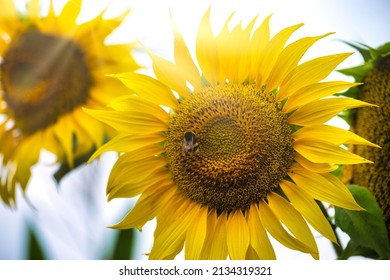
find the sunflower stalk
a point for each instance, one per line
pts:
(337, 247)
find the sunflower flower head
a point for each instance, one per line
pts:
(51, 67)
(243, 151)
(373, 124)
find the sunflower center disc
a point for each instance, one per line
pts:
(43, 77)
(229, 145)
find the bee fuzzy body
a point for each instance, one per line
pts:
(190, 144)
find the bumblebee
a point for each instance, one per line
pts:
(190, 144)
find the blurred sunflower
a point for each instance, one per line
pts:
(243, 151)
(373, 123)
(50, 67)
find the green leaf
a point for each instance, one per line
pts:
(125, 243)
(366, 228)
(35, 251)
(364, 50)
(358, 72)
(338, 171)
(351, 92)
(353, 249)
(384, 50)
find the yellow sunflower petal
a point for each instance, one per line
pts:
(228, 62)
(289, 58)
(3, 47)
(212, 239)
(243, 57)
(91, 126)
(129, 176)
(101, 28)
(237, 236)
(169, 74)
(275, 228)
(334, 135)
(352, 204)
(64, 134)
(224, 51)
(210, 228)
(128, 143)
(196, 235)
(271, 53)
(170, 241)
(50, 22)
(8, 184)
(52, 146)
(147, 206)
(320, 111)
(69, 15)
(179, 204)
(293, 220)
(309, 72)
(306, 205)
(34, 11)
(148, 89)
(259, 41)
(8, 9)
(258, 236)
(8, 14)
(315, 167)
(219, 249)
(26, 155)
(313, 92)
(319, 151)
(234, 59)
(184, 60)
(206, 50)
(324, 187)
(131, 122)
(80, 133)
(129, 188)
(136, 104)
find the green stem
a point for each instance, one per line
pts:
(337, 247)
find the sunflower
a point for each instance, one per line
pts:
(225, 154)
(50, 67)
(373, 123)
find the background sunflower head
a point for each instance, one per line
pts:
(226, 153)
(52, 66)
(372, 123)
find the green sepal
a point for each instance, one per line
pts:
(358, 72)
(384, 50)
(364, 50)
(352, 92)
(370, 56)
(365, 228)
(338, 171)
